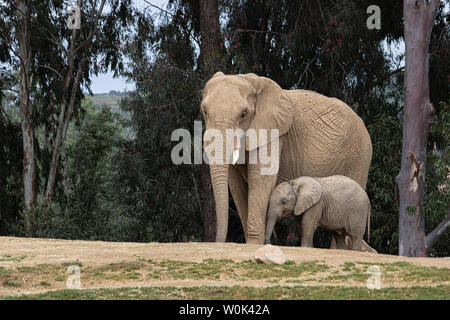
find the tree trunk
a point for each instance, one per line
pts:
(67, 106)
(210, 33)
(210, 39)
(29, 172)
(419, 18)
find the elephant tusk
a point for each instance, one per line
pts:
(235, 156)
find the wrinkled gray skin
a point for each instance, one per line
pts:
(319, 137)
(335, 203)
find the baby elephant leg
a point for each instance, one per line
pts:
(307, 236)
(309, 224)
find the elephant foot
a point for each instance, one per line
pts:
(364, 246)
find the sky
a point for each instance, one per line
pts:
(105, 82)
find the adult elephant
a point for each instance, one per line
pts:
(319, 136)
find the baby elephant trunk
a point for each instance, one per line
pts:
(272, 219)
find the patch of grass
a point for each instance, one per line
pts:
(208, 269)
(355, 275)
(44, 284)
(434, 274)
(4, 271)
(311, 272)
(294, 281)
(8, 257)
(410, 272)
(60, 278)
(125, 270)
(10, 282)
(253, 293)
(394, 266)
(290, 269)
(122, 266)
(218, 261)
(75, 263)
(116, 271)
(348, 266)
(40, 268)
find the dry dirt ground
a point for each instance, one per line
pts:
(30, 266)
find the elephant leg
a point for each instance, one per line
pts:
(239, 192)
(367, 248)
(356, 243)
(340, 240)
(310, 222)
(333, 243)
(259, 189)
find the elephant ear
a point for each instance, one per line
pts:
(309, 192)
(273, 109)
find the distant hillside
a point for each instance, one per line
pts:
(110, 99)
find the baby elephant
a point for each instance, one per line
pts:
(335, 203)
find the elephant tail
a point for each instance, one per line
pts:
(368, 223)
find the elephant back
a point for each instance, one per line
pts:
(327, 138)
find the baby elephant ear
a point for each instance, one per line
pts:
(309, 193)
(273, 109)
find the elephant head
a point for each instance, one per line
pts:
(293, 196)
(240, 102)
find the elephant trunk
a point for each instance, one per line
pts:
(272, 219)
(219, 181)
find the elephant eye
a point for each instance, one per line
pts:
(283, 201)
(243, 114)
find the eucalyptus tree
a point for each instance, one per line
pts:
(54, 63)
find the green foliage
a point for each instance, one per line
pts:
(437, 196)
(164, 197)
(50, 40)
(10, 174)
(85, 209)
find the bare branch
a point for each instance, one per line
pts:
(9, 89)
(434, 235)
(307, 68)
(188, 31)
(66, 114)
(160, 9)
(262, 31)
(50, 68)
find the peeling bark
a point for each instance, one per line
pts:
(419, 19)
(417, 172)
